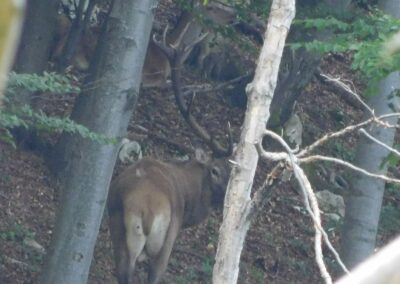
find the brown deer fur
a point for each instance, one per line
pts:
(152, 200)
(156, 69)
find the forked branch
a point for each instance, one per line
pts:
(176, 53)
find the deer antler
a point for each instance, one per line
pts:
(177, 53)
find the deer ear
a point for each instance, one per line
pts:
(201, 156)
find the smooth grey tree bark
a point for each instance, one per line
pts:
(36, 40)
(104, 108)
(363, 205)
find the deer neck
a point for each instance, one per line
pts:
(197, 194)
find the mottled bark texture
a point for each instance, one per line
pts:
(87, 166)
(260, 92)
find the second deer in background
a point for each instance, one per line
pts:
(156, 69)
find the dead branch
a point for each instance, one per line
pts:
(369, 136)
(339, 90)
(262, 193)
(310, 201)
(376, 119)
(294, 158)
(17, 262)
(347, 164)
(348, 90)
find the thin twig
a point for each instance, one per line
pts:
(349, 165)
(378, 119)
(369, 136)
(339, 83)
(310, 202)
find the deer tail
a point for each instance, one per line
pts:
(135, 241)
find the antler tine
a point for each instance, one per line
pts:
(187, 49)
(176, 54)
(220, 151)
(164, 35)
(168, 51)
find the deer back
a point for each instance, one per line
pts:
(189, 188)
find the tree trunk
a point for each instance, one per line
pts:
(36, 40)
(260, 91)
(79, 24)
(298, 66)
(106, 108)
(363, 204)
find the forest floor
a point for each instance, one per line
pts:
(279, 244)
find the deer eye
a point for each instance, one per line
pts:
(215, 172)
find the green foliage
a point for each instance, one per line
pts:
(48, 82)
(23, 116)
(392, 159)
(257, 274)
(207, 267)
(322, 24)
(343, 151)
(190, 276)
(364, 36)
(304, 267)
(300, 245)
(16, 232)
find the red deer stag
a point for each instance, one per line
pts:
(151, 200)
(156, 69)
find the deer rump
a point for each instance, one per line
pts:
(151, 201)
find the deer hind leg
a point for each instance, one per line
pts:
(158, 264)
(135, 241)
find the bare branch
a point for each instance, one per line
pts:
(378, 119)
(347, 164)
(261, 193)
(369, 136)
(329, 136)
(294, 161)
(345, 87)
(310, 202)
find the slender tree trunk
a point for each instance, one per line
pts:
(299, 65)
(260, 92)
(79, 24)
(364, 202)
(36, 40)
(106, 108)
